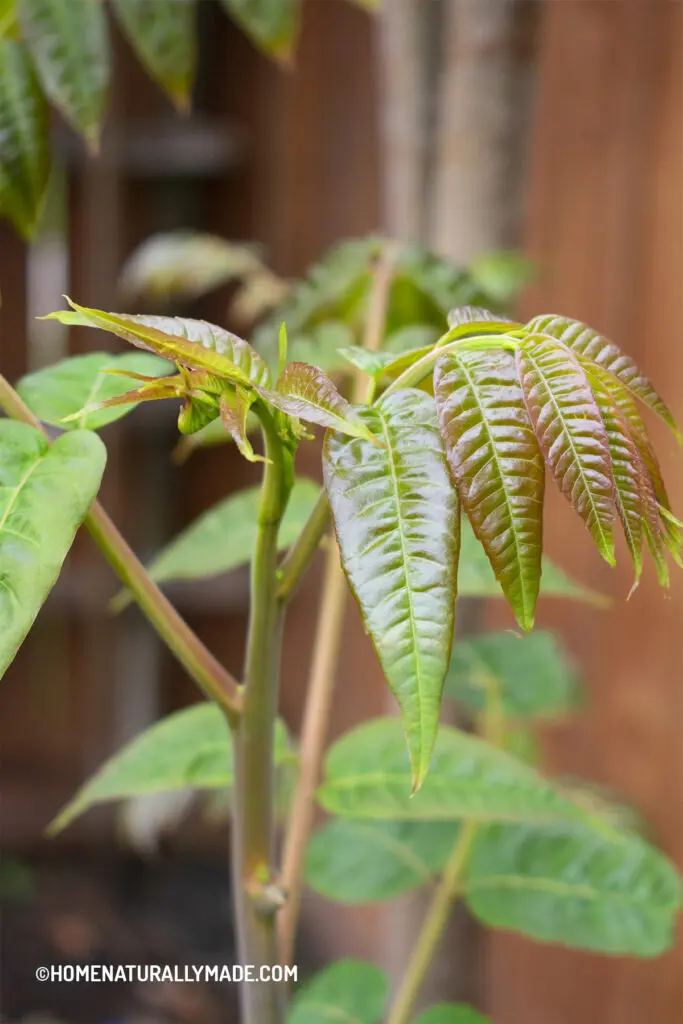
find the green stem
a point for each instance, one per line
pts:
(433, 927)
(298, 559)
(199, 663)
(252, 825)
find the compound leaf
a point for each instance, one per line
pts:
(349, 992)
(162, 32)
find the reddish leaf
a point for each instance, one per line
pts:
(234, 410)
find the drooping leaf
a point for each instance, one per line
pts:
(45, 493)
(163, 34)
(588, 344)
(398, 526)
(570, 432)
(451, 1013)
(580, 885)
(306, 393)
(531, 676)
(234, 413)
(495, 460)
(70, 386)
(24, 153)
(69, 43)
(368, 861)
(272, 25)
(367, 775)
(347, 992)
(191, 748)
(223, 537)
(210, 436)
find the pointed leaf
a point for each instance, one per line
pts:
(367, 775)
(490, 322)
(307, 393)
(588, 344)
(570, 433)
(45, 493)
(496, 463)
(69, 44)
(191, 748)
(451, 1013)
(581, 885)
(348, 992)
(24, 128)
(367, 861)
(397, 522)
(372, 363)
(272, 25)
(163, 34)
(234, 411)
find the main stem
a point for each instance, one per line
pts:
(252, 823)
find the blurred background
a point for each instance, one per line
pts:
(552, 128)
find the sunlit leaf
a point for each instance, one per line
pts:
(306, 393)
(272, 25)
(163, 34)
(45, 493)
(348, 992)
(496, 463)
(397, 522)
(451, 1013)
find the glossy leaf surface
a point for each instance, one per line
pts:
(163, 34)
(367, 775)
(588, 887)
(451, 1013)
(191, 748)
(497, 465)
(69, 43)
(24, 156)
(307, 393)
(348, 992)
(368, 861)
(272, 25)
(45, 493)
(570, 433)
(398, 526)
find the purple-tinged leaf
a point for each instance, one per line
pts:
(234, 410)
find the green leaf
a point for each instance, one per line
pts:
(348, 992)
(71, 385)
(490, 323)
(163, 34)
(223, 537)
(306, 393)
(368, 861)
(272, 25)
(590, 887)
(570, 432)
(367, 775)
(234, 415)
(69, 44)
(590, 345)
(530, 676)
(502, 275)
(451, 1013)
(45, 493)
(372, 363)
(8, 19)
(191, 748)
(497, 465)
(397, 522)
(24, 129)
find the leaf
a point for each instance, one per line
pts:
(24, 128)
(272, 25)
(372, 363)
(69, 43)
(307, 393)
(234, 414)
(530, 675)
(502, 275)
(368, 861)
(8, 19)
(497, 465)
(590, 345)
(223, 537)
(347, 992)
(589, 887)
(213, 434)
(45, 493)
(570, 433)
(466, 316)
(397, 522)
(190, 748)
(451, 1013)
(71, 385)
(367, 775)
(163, 34)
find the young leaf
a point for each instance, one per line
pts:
(372, 363)
(367, 775)
(587, 886)
(497, 466)
(272, 25)
(234, 411)
(45, 493)
(69, 387)
(530, 676)
(306, 393)
(570, 433)
(162, 32)
(69, 44)
(24, 152)
(398, 526)
(490, 323)
(451, 1013)
(350, 991)
(191, 748)
(590, 345)
(368, 861)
